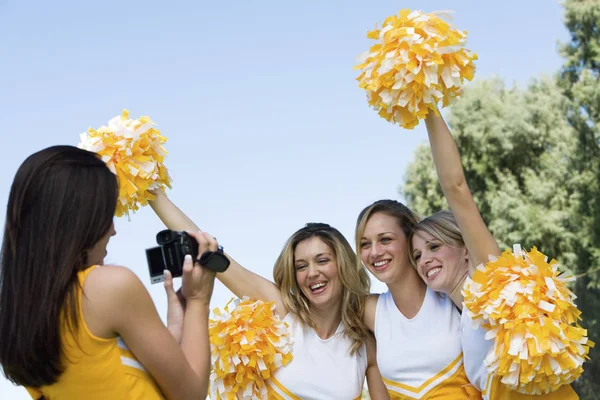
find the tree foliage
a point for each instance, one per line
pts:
(532, 160)
(513, 145)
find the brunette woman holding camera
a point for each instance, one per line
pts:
(71, 329)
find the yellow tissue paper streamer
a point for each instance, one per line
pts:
(418, 61)
(522, 301)
(132, 149)
(248, 342)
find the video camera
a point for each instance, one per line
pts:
(171, 250)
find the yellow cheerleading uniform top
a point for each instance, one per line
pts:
(475, 348)
(421, 357)
(97, 368)
(321, 369)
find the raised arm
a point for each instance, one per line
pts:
(238, 279)
(477, 237)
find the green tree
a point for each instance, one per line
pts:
(513, 145)
(532, 161)
(518, 149)
(580, 81)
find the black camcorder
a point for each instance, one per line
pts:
(171, 250)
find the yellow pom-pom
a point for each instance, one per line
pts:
(522, 301)
(248, 342)
(132, 149)
(418, 60)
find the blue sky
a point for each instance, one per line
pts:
(258, 99)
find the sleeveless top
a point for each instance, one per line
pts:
(97, 368)
(321, 369)
(421, 357)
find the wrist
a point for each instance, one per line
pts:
(432, 117)
(197, 303)
(158, 194)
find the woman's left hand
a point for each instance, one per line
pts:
(175, 308)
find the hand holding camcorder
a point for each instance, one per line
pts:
(171, 250)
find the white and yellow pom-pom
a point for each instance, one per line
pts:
(248, 342)
(132, 149)
(418, 61)
(522, 301)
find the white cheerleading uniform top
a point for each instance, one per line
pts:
(320, 369)
(475, 348)
(421, 357)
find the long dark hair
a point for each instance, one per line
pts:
(61, 203)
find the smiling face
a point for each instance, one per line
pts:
(316, 269)
(384, 248)
(441, 266)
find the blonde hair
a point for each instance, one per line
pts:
(407, 220)
(442, 226)
(355, 281)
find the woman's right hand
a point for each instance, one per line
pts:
(198, 282)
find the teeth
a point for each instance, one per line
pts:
(317, 286)
(433, 271)
(380, 263)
